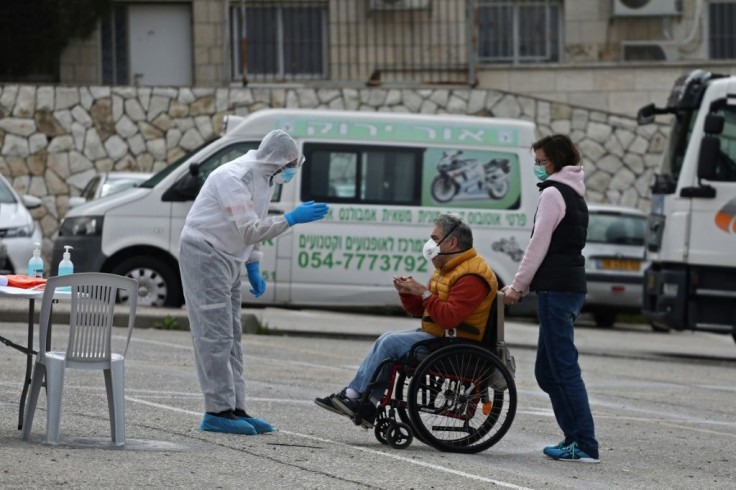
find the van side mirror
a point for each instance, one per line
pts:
(31, 202)
(186, 188)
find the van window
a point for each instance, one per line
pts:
(225, 155)
(616, 228)
(164, 172)
(360, 174)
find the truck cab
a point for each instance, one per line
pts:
(691, 237)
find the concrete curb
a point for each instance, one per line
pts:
(16, 311)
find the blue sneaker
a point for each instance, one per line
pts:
(551, 449)
(571, 452)
(213, 423)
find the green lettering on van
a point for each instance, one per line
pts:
(399, 131)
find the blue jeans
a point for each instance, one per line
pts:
(390, 345)
(557, 369)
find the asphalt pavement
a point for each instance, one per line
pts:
(365, 325)
(165, 449)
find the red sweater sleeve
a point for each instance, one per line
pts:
(413, 304)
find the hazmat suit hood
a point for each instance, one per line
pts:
(230, 212)
(277, 149)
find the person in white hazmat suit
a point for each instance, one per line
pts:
(222, 231)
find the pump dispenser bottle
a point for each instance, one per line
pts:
(66, 266)
(35, 265)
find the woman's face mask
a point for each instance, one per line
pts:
(540, 172)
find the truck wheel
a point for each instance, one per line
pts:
(604, 319)
(158, 284)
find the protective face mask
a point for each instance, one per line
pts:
(430, 250)
(540, 172)
(284, 176)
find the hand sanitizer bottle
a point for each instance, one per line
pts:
(66, 266)
(35, 265)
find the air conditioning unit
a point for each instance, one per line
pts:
(400, 4)
(646, 8)
(649, 51)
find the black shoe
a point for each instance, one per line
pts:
(363, 414)
(327, 404)
(227, 414)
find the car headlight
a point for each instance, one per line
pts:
(81, 226)
(20, 231)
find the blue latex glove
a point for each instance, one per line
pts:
(255, 278)
(306, 212)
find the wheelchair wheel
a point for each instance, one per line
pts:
(400, 396)
(461, 399)
(381, 428)
(399, 435)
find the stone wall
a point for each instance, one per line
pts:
(53, 139)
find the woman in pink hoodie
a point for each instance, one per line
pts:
(553, 266)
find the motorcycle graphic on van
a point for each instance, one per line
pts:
(469, 176)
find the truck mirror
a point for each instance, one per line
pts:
(713, 124)
(709, 148)
(646, 114)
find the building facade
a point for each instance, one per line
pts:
(611, 55)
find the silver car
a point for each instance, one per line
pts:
(614, 262)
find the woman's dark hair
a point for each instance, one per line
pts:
(559, 149)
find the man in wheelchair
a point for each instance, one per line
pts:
(456, 303)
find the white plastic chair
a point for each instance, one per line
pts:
(90, 329)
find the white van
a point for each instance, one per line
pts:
(385, 176)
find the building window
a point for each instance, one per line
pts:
(519, 32)
(114, 41)
(722, 36)
(283, 42)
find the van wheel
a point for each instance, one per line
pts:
(158, 284)
(604, 319)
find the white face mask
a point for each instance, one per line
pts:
(431, 249)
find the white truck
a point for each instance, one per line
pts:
(691, 239)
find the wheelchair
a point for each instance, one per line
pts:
(454, 394)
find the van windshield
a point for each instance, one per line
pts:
(161, 175)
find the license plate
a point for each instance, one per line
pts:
(620, 264)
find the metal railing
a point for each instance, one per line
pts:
(374, 42)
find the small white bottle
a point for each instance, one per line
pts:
(66, 266)
(35, 265)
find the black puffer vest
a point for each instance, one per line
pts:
(563, 268)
